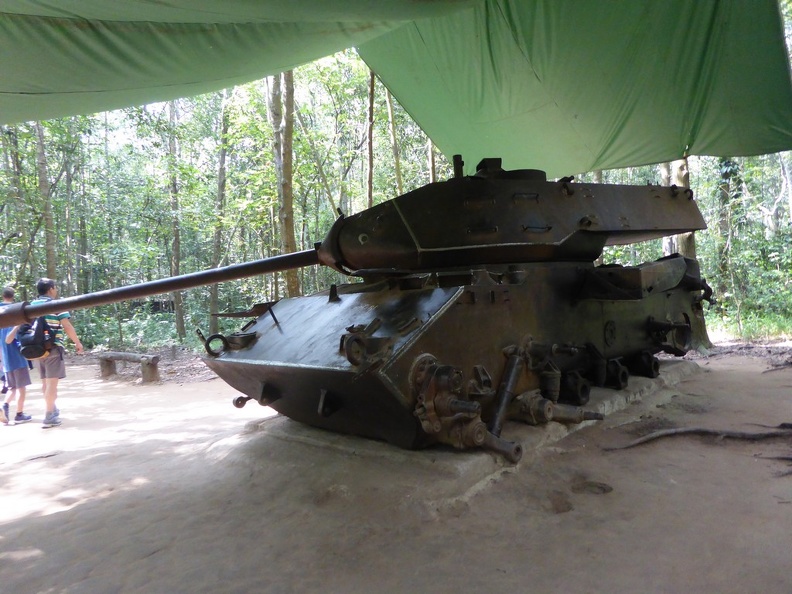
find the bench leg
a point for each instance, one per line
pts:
(107, 368)
(149, 371)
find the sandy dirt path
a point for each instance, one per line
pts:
(168, 488)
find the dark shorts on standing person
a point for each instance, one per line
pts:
(53, 366)
(18, 378)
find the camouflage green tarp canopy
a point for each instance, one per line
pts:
(562, 85)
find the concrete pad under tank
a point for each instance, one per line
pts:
(461, 472)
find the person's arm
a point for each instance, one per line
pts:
(68, 328)
(12, 335)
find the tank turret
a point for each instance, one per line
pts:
(480, 303)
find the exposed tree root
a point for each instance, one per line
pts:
(782, 458)
(779, 367)
(779, 426)
(785, 431)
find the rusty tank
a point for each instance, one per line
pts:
(477, 302)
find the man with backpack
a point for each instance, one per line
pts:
(15, 368)
(52, 367)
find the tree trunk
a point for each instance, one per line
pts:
(45, 191)
(108, 192)
(394, 144)
(281, 111)
(685, 242)
(431, 161)
(269, 250)
(286, 212)
(13, 164)
(677, 173)
(726, 167)
(317, 162)
(71, 279)
(370, 141)
(220, 199)
(786, 183)
(72, 161)
(598, 180)
(83, 278)
(669, 242)
(26, 258)
(175, 262)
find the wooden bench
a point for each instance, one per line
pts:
(148, 364)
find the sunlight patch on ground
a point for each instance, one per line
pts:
(99, 416)
(43, 498)
(721, 337)
(21, 555)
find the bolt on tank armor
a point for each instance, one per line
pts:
(479, 304)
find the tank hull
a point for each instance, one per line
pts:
(345, 360)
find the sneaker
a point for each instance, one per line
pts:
(51, 420)
(22, 418)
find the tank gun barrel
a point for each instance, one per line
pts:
(19, 313)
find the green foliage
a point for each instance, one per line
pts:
(744, 252)
(750, 326)
(149, 330)
(137, 331)
(634, 254)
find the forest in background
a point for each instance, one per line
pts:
(143, 193)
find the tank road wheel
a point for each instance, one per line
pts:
(618, 375)
(644, 364)
(575, 389)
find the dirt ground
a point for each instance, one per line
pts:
(164, 488)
